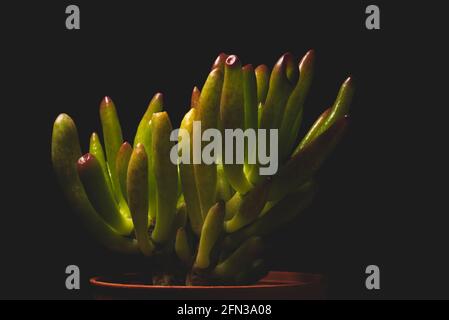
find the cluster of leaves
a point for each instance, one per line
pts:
(207, 220)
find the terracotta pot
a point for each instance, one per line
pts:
(276, 285)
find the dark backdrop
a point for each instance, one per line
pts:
(370, 208)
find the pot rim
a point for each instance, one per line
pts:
(291, 280)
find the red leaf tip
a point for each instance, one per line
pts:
(247, 68)
(125, 146)
(308, 59)
(84, 161)
(106, 102)
(219, 60)
(349, 81)
(232, 60)
(262, 70)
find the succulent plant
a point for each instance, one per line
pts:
(202, 223)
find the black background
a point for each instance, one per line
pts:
(376, 203)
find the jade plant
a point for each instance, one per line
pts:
(199, 223)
